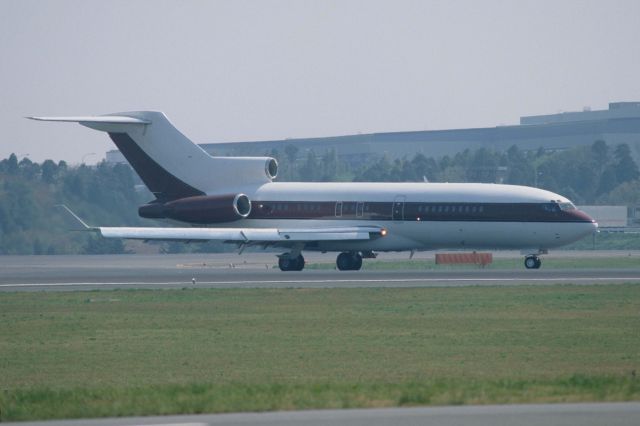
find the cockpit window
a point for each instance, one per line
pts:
(550, 207)
(567, 206)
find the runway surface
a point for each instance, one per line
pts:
(611, 414)
(65, 273)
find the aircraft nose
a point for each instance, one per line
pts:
(586, 218)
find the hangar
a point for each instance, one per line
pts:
(620, 123)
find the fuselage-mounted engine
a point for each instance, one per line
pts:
(211, 209)
(201, 209)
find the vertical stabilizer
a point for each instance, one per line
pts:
(168, 162)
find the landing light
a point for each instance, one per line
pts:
(383, 232)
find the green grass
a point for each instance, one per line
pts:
(549, 262)
(607, 241)
(86, 354)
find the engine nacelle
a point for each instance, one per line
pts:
(200, 209)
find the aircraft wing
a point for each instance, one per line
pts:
(243, 235)
(237, 235)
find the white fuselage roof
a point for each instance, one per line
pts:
(414, 192)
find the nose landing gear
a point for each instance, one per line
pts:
(532, 262)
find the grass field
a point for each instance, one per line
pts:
(117, 353)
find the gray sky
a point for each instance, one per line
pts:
(254, 70)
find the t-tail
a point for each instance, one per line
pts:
(169, 163)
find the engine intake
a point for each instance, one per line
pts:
(201, 209)
(271, 168)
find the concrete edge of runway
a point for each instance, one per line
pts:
(619, 413)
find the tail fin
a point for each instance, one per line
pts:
(170, 164)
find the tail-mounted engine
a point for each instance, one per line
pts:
(201, 209)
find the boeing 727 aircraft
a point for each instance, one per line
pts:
(234, 199)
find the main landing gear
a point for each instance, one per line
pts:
(346, 261)
(532, 262)
(291, 263)
(349, 261)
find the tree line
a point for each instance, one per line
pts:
(595, 174)
(30, 222)
(109, 194)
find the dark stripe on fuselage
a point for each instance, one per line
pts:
(410, 211)
(163, 184)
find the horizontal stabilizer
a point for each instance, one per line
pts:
(103, 119)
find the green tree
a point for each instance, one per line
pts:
(49, 170)
(291, 151)
(12, 165)
(310, 172)
(626, 168)
(627, 193)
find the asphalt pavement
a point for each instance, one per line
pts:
(64, 273)
(597, 414)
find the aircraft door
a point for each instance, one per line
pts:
(398, 207)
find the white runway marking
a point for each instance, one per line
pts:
(341, 281)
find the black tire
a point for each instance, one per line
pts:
(291, 263)
(532, 262)
(284, 264)
(343, 262)
(538, 263)
(357, 262)
(349, 261)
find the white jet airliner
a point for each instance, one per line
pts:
(234, 199)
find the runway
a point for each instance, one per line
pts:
(619, 414)
(66, 273)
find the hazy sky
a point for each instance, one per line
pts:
(254, 70)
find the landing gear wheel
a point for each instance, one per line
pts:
(349, 261)
(532, 262)
(357, 262)
(291, 263)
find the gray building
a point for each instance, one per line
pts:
(620, 123)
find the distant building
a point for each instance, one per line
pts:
(608, 216)
(620, 123)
